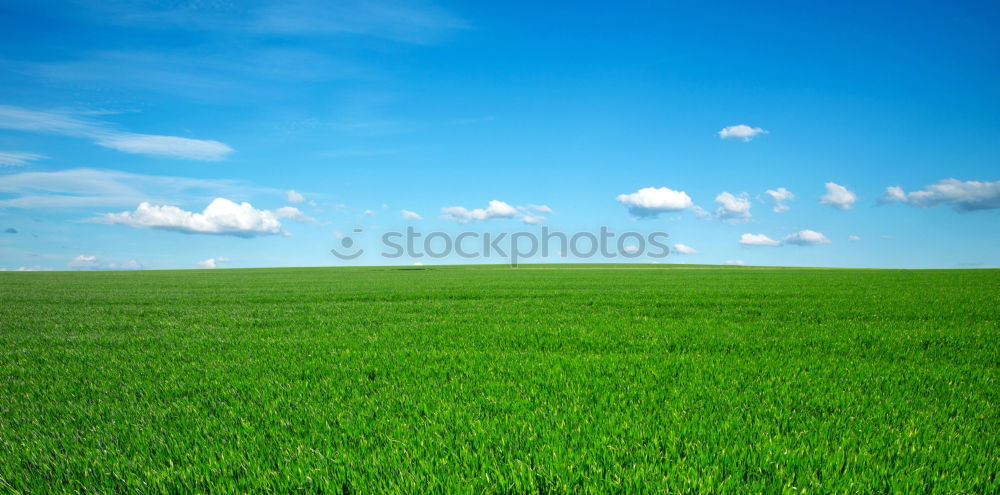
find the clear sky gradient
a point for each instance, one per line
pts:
(132, 133)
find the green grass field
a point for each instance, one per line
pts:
(495, 380)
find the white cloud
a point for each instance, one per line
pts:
(410, 215)
(741, 131)
(650, 201)
(838, 196)
(168, 146)
(684, 249)
(83, 260)
(700, 212)
(532, 219)
(494, 210)
(294, 197)
(778, 197)
(757, 240)
(409, 22)
(293, 213)
(961, 195)
(540, 208)
(213, 262)
(631, 249)
(418, 263)
(94, 188)
(129, 265)
(369, 212)
(854, 238)
(102, 134)
(733, 206)
(16, 158)
(91, 262)
(221, 216)
(35, 268)
(807, 238)
(736, 262)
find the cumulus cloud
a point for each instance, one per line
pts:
(532, 219)
(807, 238)
(410, 215)
(838, 196)
(213, 262)
(128, 265)
(293, 213)
(83, 260)
(294, 197)
(684, 249)
(16, 158)
(733, 206)
(631, 249)
(494, 210)
(741, 131)
(221, 216)
(963, 196)
(102, 134)
(853, 238)
(757, 240)
(736, 262)
(778, 197)
(651, 201)
(369, 212)
(91, 262)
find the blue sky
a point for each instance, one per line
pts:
(170, 134)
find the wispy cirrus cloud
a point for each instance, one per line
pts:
(103, 134)
(83, 187)
(223, 74)
(17, 158)
(409, 22)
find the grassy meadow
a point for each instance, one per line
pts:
(487, 379)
